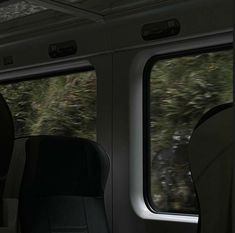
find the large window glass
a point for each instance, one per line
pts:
(59, 105)
(179, 91)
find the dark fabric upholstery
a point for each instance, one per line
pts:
(6, 137)
(6, 144)
(63, 186)
(211, 156)
(63, 214)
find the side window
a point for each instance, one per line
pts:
(59, 105)
(179, 91)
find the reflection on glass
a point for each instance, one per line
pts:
(18, 9)
(181, 91)
(62, 105)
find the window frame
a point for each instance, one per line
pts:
(146, 119)
(46, 75)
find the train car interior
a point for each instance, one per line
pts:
(116, 116)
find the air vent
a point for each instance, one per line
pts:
(63, 49)
(159, 30)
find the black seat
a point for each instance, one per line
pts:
(211, 156)
(63, 186)
(6, 143)
(6, 140)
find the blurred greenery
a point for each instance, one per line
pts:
(181, 91)
(63, 105)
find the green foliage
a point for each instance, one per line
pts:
(64, 105)
(182, 90)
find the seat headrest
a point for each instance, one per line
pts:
(57, 165)
(6, 137)
(213, 112)
(211, 138)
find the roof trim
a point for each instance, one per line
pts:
(66, 8)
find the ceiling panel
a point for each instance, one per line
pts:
(17, 9)
(93, 5)
(110, 6)
(19, 17)
(125, 5)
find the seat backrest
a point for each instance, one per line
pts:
(210, 152)
(6, 145)
(6, 140)
(63, 186)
